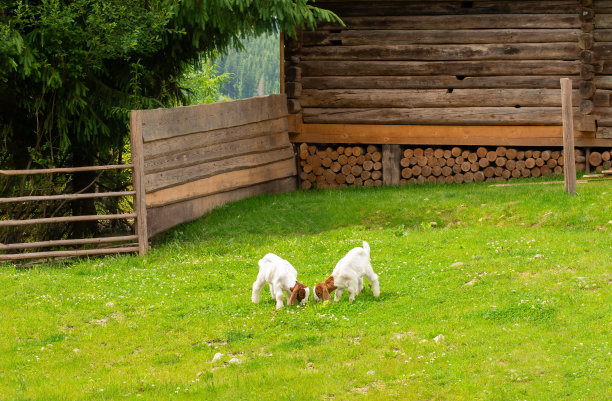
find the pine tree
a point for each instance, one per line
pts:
(70, 71)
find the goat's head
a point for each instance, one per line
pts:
(300, 292)
(322, 290)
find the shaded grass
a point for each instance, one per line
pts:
(524, 314)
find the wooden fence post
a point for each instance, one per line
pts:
(140, 207)
(569, 168)
(391, 155)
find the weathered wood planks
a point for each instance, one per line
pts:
(222, 183)
(187, 174)
(455, 115)
(454, 63)
(451, 22)
(436, 82)
(434, 68)
(434, 52)
(429, 36)
(432, 98)
(381, 8)
(208, 117)
(165, 217)
(195, 158)
(469, 135)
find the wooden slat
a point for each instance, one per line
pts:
(492, 135)
(433, 82)
(219, 151)
(464, 36)
(165, 123)
(222, 135)
(451, 22)
(222, 183)
(67, 254)
(462, 68)
(456, 52)
(67, 219)
(451, 116)
(66, 197)
(391, 156)
(66, 169)
(136, 141)
(169, 216)
(438, 98)
(170, 178)
(68, 242)
(362, 8)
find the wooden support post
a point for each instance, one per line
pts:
(391, 164)
(282, 63)
(138, 180)
(568, 137)
(587, 164)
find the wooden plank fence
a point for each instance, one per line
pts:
(199, 157)
(186, 161)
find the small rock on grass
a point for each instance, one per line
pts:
(457, 264)
(235, 360)
(217, 356)
(439, 338)
(371, 372)
(538, 256)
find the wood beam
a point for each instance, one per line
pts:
(468, 135)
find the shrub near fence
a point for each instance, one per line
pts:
(198, 157)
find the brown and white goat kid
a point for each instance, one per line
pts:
(282, 277)
(348, 274)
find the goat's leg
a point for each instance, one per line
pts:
(257, 286)
(373, 277)
(280, 297)
(272, 291)
(352, 291)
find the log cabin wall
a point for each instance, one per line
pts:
(600, 40)
(469, 73)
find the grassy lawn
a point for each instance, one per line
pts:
(517, 280)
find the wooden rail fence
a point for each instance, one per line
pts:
(128, 244)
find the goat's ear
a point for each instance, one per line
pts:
(325, 294)
(294, 295)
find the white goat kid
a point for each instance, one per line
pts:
(348, 274)
(282, 278)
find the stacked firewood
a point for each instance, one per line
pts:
(339, 166)
(458, 165)
(600, 160)
(334, 166)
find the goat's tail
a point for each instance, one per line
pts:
(366, 247)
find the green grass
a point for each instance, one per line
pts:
(516, 279)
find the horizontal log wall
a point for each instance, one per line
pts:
(454, 63)
(341, 165)
(602, 54)
(198, 157)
